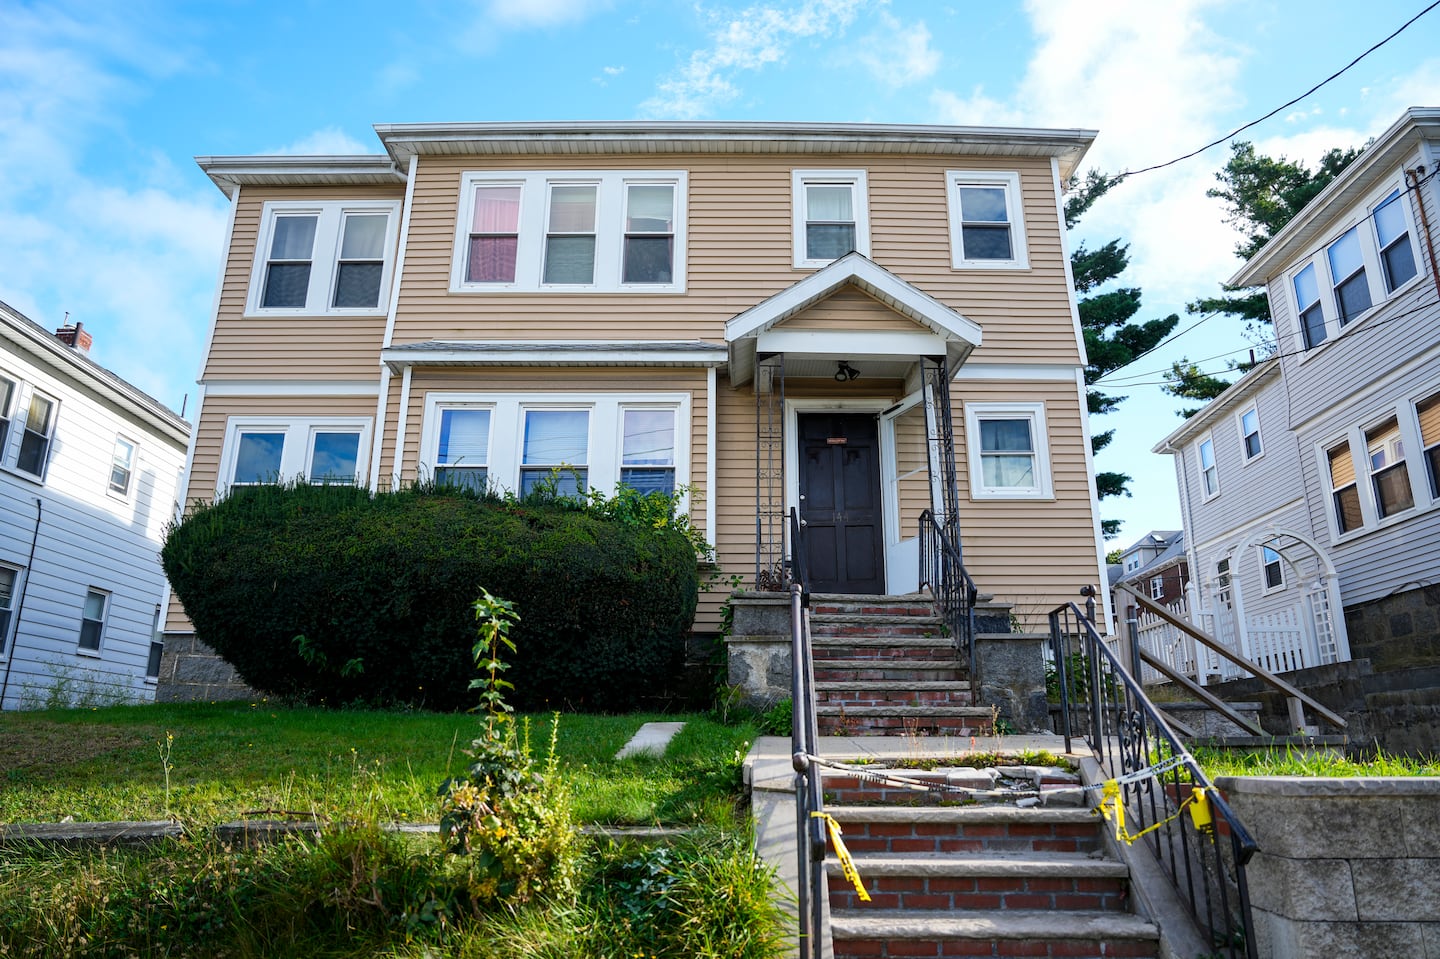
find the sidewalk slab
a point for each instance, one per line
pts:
(650, 738)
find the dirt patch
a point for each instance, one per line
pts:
(50, 749)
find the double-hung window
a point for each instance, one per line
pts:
(1273, 568)
(320, 258)
(1428, 413)
(987, 230)
(1389, 476)
(1347, 273)
(1008, 451)
(1392, 233)
(462, 458)
(273, 449)
(1209, 474)
(1250, 432)
(571, 231)
(92, 619)
(647, 450)
(556, 444)
(122, 466)
(1344, 492)
(38, 429)
(1312, 314)
(1157, 587)
(8, 389)
(9, 580)
(831, 215)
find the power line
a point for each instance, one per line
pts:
(1241, 129)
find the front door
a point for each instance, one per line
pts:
(840, 502)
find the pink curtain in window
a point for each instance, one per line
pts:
(497, 209)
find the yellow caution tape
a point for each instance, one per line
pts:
(1113, 810)
(847, 865)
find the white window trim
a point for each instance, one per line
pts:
(1409, 440)
(1157, 587)
(534, 207)
(1205, 494)
(799, 212)
(17, 588)
(325, 255)
(1374, 270)
(294, 457)
(129, 490)
(1035, 413)
(10, 455)
(604, 444)
(1240, 430)
(99, 650)
(1020, 252)
(1265, 588)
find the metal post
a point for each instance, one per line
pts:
(1133, 627)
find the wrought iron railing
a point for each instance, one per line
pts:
(1100, 700)
(942, 571)
(804, 743)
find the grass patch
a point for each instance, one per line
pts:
(228, 759)
(1317, 763)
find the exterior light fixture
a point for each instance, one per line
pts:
(844, 372)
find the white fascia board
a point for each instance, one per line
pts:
(1240, 390)
(291, 388)
(1039, 372)
(858, 343)
(871, 278)
(575, 355)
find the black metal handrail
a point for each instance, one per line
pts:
(949, 582)
(804, 743)
(1128, 734)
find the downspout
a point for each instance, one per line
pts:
(20, 607)
(1413, 178)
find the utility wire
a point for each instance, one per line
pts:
(1283, 106)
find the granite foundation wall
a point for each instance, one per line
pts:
(191, 671)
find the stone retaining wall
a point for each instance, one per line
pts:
(1347, 868)
(191, 671)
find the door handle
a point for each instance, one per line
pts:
(803, 522)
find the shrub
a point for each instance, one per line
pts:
(325, 593)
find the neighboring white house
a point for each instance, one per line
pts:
(1312, 485)
(89, 472)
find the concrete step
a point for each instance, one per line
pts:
(896, 719)
(983, 881)
(893, 693)
(966, 829)
(1082, 935)
(919, 670)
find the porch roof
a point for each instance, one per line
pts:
(943, 330)
(554, 353)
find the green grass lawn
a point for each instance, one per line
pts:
(230, 759)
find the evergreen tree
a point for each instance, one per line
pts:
(1112, 340)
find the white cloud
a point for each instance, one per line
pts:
(124, 242)
(898, 54)
(751, 40)
(330, 141)
(612, 71)
(542, 13)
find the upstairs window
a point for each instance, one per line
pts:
(1312, 314)
(986, 226)
(92, 619)
(1209, 475)
(1250, 432)
(1428, 411)
(571, 231)
(1397, 257)
(1347, 272)
(1344, 494)
(39, 427)
(1009, 454)
(318, 258)
(1388, 474)
(8, 389)
(1157, 587)
(122, 464)
(830, 215)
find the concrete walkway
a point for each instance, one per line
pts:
(650, 738)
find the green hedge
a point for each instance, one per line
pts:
(381, 590)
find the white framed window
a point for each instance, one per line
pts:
(1369, 260)
(1344, 491)
(1427, 411)
(333, 257)
(595, 440)
(92, 619)
(1250, 433)
(987, 228)
(1008, 451)
(1389, 476)
(830, 215)
(1222, 583)
(274, 449)
(9, 587)
(8, 391)
(570, 231)
(37, 426)
(1272, 568)
(122, 466)
(1209, 474)
(1157, 587)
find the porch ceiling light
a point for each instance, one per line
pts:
(844, 372)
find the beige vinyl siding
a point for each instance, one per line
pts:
(739, 249)
(210, 443)
(263, 348)
(850, 309)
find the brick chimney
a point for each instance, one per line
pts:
(75, 337)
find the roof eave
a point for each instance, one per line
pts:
(1241, 389)
(228, 173)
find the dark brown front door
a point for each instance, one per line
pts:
(840, 502)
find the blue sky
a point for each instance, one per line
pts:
(102, 106)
